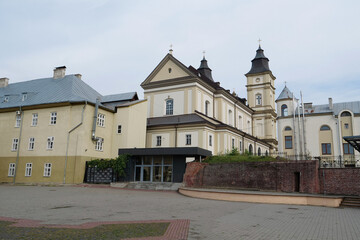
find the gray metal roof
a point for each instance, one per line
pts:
(49, 90)
(177, 119)
(285, 94)
(260, 63)
(119, 97)
(353, 107)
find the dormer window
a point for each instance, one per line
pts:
(24, 97)
(6, 99)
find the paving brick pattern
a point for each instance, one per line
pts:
(209, 219)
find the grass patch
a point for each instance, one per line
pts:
(234, 156)
(111, 231)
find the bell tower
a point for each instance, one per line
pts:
(261, 98)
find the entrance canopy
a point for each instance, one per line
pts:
(354, 141)
(179, 151)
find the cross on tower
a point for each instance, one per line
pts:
(259, 42)
(204, 53)
(171, 50)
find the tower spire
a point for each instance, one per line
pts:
(204, 68)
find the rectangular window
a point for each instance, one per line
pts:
(188, 139)
(31, 143)
(169, 107)
(28, 170)
(24, 96)
(233, 143)
(99, 144)
(240, 146)
(47, 169)
(119, 129)
(348, 149)
(326, 148)
(50, 142)
(210, 140)
(11, 172)
(15, 144)
(346, 125)
(101, 120)
(18, 120)
(53, 118)
(158, 140)
(288, 142)
(34, 120)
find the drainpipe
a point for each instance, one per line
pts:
(94, 121)
(176, 127)
(18, 149)
(68, 139)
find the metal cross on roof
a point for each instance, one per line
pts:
(204, 53)
(259, 41)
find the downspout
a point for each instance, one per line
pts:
(95, 119)
(18, 149)
(176, 127)
(68, 139)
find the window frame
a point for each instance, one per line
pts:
(53, 118)
(34, 119)
(287, 141)
(28, 169)
(325, 128)
(47, 169)
(188, 139)
(119, 129)
(284, 110)
(17, 120)
(349, 149)
(158, 141)
(207, 104)
(11, 171)
(99, 145)
(100, 121)
(31, 146)
(210, 140)
(233, 143)
(169, 107)
(15, 144)
(50, 143)
(327, 148)
(258, 99)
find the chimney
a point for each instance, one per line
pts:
(4, 82)
(78, 75)
(59, 72)
(331, 106)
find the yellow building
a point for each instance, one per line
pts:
(50, 127)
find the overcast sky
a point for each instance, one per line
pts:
(312, 45)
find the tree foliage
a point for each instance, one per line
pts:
(118, 164)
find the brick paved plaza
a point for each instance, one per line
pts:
(209, 219)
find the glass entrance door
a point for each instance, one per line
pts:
(154, 169)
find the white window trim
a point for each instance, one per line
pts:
(53, 118)
(186, 140)
(27, 167)
(15, 142)
(100, 120)
(171, 111)
(99, 145)
(33, 118)
(52, 140)
(31, 142)
(256, 99)
(47, 169)
(158, 140)
(11, 171)
(120, 129)
(17, 120)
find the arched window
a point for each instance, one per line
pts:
(258, 99)
(284, 110)
(259, 151)
(324, 128)
(287, 128)
(240, 122)
(169, 106)
(250, 149)
(266, 153)
(207, 104)
(345, 114)
(230, 118)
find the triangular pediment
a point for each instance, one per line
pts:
(169, 68)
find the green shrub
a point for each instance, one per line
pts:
(235, 156)
(117, 164)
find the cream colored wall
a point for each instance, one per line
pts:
(164, 73)
(326, 137)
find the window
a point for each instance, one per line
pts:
(266, 153)
(210, 140)
(119, 129)
(31, 143)
(326, 148)
(15, 144)
(28, 169)
(259, 151)
(240, 146)
(11, 172)
(324, 128)
(99, 144)
(346, 114)
(207, 103)
(6, 98)
(169, 107)
(284, 110)
(346, 125)
(230, 118)
(101, 120)
(24, 97)
(348, 149)
(288, 142)
(34, 121)
(47, 169)
(250, 149)
(233, 143)
(18, 120)
(188, 139)
(287, 129)
(158, 140)
(258, 99)
(240, 122)
(50, 143)
(53, 117)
